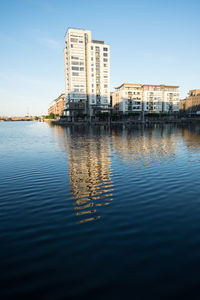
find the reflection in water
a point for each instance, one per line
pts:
(148, 234)
(146, 146)
(191, 137)
(89, 170)
(89, 152)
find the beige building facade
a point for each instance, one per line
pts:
(87, 72)
(191, 104)
(57, 106)
(144, 97)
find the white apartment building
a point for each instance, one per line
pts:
(144, 97)
(87, 72)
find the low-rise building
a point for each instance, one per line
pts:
(191, 104)
(145, 97)
(57, 105)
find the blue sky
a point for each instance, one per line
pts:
(151, 42)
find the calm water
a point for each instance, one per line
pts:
(99, 214)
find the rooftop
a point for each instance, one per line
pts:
(97, 42)
(141, 85)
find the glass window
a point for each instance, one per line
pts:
(105, 59)
(105, 49)
(75, 68)
(105, 54)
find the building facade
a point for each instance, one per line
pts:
(57, 106)
(191, 104)
(87, 73)
(144, 97)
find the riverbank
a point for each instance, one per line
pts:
(126, 123)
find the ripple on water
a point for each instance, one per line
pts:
(83, 211)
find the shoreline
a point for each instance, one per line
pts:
(130, 123)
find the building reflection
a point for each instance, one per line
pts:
(89, 166)
(191, 136)
(89, 170)
(145, 146)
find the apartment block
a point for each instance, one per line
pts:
(98, 73)
(145, 97)
(191, 104)
(57, 105)
(87, 73)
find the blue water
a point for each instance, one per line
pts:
(99, 213)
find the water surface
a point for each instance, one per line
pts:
(99, 213)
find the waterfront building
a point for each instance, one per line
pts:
(87, 73)
(191, 104)
(57, 105)
(145, 97)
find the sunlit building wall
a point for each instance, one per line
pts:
(57, 106)
(147, 98)
(98, 74)
(87, 72)
(191, 104)
(127, 97)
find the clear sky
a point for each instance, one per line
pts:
(152, 41)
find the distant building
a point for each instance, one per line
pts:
(87, 73)
(191, 104)
(57, 106)
(146, 97)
